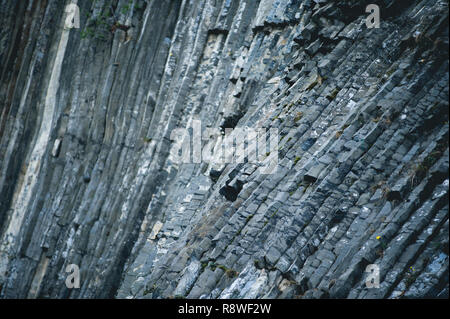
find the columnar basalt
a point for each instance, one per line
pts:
(88, 176)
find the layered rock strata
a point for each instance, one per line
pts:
(88, 174)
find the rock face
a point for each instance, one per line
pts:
(88, 176)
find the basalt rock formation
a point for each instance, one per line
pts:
(88, 176)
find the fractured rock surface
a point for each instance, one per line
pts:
(88, 176)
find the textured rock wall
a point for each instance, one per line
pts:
(87, 176)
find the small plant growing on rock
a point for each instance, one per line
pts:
(274, 213)
(298, 116)
(231, 273)
(87, 33)
(382, 242)
(380, 184)
(126, 7)
(333, 94)
(376, 120)
(149, 290)
(386, 190)
(411, 276)
(105, 21)
(420, 170)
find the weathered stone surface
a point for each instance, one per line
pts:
(88, 175)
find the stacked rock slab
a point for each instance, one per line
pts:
(87, 175)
